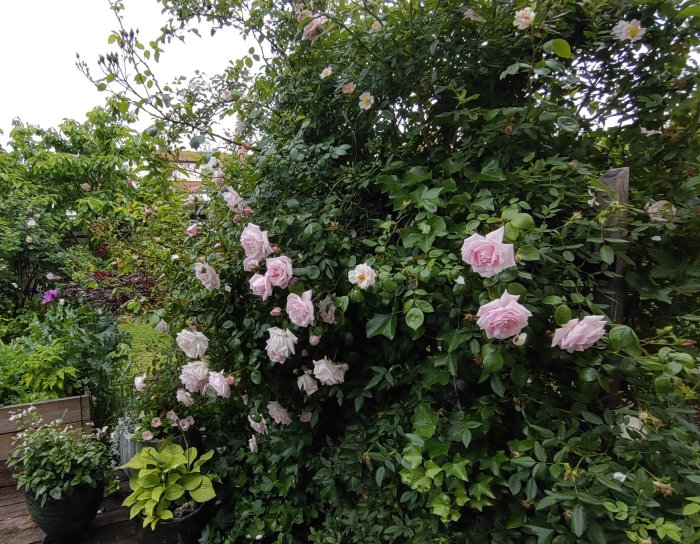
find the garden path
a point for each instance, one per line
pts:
(111, 526)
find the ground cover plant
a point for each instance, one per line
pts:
(394, 309)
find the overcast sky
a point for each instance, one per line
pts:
(39, 39)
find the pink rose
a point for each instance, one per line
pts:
(349, 87)
(280, 345)
(260, 286)
(258, 426)
(170, 415)
(503, 317)
(255, 242)
(276, 311)
(234, 201)
(207, 275)
(184, 397)
(306, 383)
(362, 275)
(314, 340)
(227, 96)
(580, 335)
(162, 326)
(194, 376)
(250, 264)
(312, 29)
(253, 444)
(156, 422)
(487, 255)
(278, 413)
(147, 435)
(218, 178)
(140, 383)
(328, 372)
(300, 309)
(326, 309)
(186, 423)
(218, 384)
(193, 343)
(279, 271)
(305, 416)
(192, 230)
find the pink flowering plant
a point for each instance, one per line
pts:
(422, 316)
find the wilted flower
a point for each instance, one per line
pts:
(278, 413)
(326, 309)
(305, 416)
(170, 415)
(186, 423)
(184, 397)
(376, 26)
(258, 426)
(661, 211)
(519, 339)
(192, 230)
(619, 476)
(306, 383)
(312, 29)
(253, 444)
(469, 13)
(31, 222)
(227, 96)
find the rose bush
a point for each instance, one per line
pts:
(453, 264)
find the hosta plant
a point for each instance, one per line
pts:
(168, 482)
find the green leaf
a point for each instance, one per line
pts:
(416, 175)
(425, 421)
(382, 324)
(607, 255)
(491, 358)
(204, 492)
(414, 318)
(578, 520)
(197, 141)
(559, 47)
(528, 253)
(568, 124)
(562, 315)
(379, 476)
(621, 337)
(523, 221)
(690, 11)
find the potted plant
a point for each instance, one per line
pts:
(63, 470)
(169, 493)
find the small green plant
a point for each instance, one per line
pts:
(51, 460)
(168, 484)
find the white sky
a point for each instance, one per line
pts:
(39, 82)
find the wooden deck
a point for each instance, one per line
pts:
(111, 526)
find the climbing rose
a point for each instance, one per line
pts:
(156, 422)
(661, 211)
(255, 242)
(227, 96)
(193, 343)
(328, 372)
(503, 317)
(147, 435)
(207, 275)
(631, 30)
(162, 326)
(279, 271)
(278, 413)
(524, 18)
(469, 13)
(580, 335)
(366, 101)
(305, 416)
(276, 311)
(488, 255)
(326, 309)
(186, 423)
(140, 383)
(362, 275)
(192, 230)
(260, 286)
(349, 87)
(314, 340)
(312, 29)
(218, 178)
(258, 426)
(218, 384)
(234, 201)
(184, 397)
(250, 264)
(280, 345)
(300, 309)
(170, 415)
(194, 376)
(306, 383)
(327, 71)
(253, 444)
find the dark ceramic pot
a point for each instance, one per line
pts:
(64, 520)
(184, 530)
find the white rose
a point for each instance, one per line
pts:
(194, 376)
(280, 345)
(184, 397)
(193, 343)
(362, 275)
(306, 383)
(140, 383)
(661, 211)
(328, 372)
(207, 275)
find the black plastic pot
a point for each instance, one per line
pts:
(184, 530)
(64, 520)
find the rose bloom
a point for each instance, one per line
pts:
(349, 87)
(140, 383)
(488, 255)
(312, 29)
(219, 384)
(279, 271)
(305, 416)
(327, 71)
(162, 326)
(376, 26)
(469, 13)
(253, 444)
(207, 275)
(661, 211)
(520, 339)
(260, 286)
(326, 309)
(186, 423)
(192, 230)
(314, 340)
(580, 335)
(234, 201)
(31, 222)
(306, 383)
(156, 422)
(218, 178)
(184, 397)
(276, 311)
(194, 376)
(250, 264)
(524, 18)
(227, 96)
(503, 317)
(258, 426)
(366, 101)
(255, 242)
(51, 276)
(300, 309)
(193, 343)
(280, 345)
(362, 275)
(631, 31)
(170, 415)
(147, 435)
(328, 372)
(278, 413)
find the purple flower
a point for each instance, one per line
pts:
(50, 296)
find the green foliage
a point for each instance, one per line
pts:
(148, 347)
(166, 478)
(50, 460)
